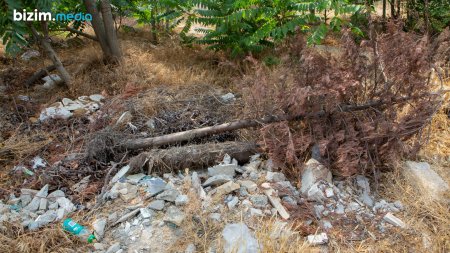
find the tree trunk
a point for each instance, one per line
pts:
(193, 156)
(65, 76)
(393, 14)
(99, 29)
(426, 15)
(384, 10)
(154, 35)
(111, 36)
(104, 29)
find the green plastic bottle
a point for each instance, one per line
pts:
(78, 230)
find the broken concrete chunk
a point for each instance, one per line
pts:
(318, 239)
(259, 200)
(134, 179)
(181, 200)
(275, 176)
(99, 228)
(168, 195)
(174, 215)
(217, 180)
(239, 239)
(154, 186)
(225, 189)
(55, 194)
(146, 213)
(122, 172)
(249, 185)
(35, 203)
(390, 218)
(422, 177)
(228, 169)
(276, 203)
(233, 202)
(157, 205)
(313, 173)
(66, 204)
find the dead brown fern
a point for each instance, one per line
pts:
(389, 74)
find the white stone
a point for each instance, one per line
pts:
(157, 205)
(318, 239)
(134, 179)
(30, 54)
(233, 202)
(198, 186)
(113, 248)
(256, 212)
(35, 203)
(225, 189)
(313, 173)
(66, 204)
(96, 98)
(275, 176)
(228, 169)
(229, 97)
(181, 200)
(329, 192)
(99, 228)
(174, 215)
(217, 180)
(146, 213)
(239, 239)
(276, 202)
(122, 172)
(190, 248)
(390, 218)
(168, 195)
(428, 183)
(38, 162)
(54, 113)
(249, 185)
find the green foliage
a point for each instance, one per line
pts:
(14, 34)
(241, 26)
(439, 14)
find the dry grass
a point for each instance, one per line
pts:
(145, 66)
(48, 239)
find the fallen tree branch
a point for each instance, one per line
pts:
(193, 156)
(41, 73)
(244, 123)
(78, 32)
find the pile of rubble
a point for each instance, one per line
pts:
(146, 213)
(65, 109)
(253, 190)
(34, 209)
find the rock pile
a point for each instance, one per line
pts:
(34, 209)
(144, 208)
(67, 107)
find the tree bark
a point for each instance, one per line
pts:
(384, 10)
(110, 30)
(97, 24)
(193, 156)
(65, 76)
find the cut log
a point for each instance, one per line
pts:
(193, 156)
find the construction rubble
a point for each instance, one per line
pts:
(146, 213)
